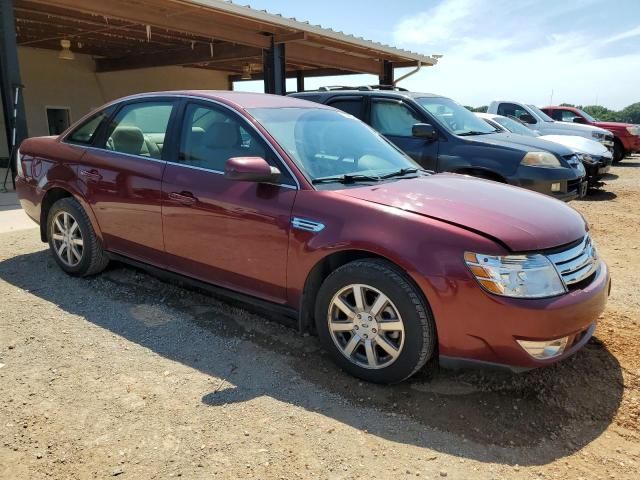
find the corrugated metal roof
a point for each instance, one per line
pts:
(289, 22)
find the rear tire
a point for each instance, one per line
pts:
(72, 240)
(387, 335)
(618, 151)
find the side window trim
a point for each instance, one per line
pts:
(177, 133)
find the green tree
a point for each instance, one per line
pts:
(631, 113)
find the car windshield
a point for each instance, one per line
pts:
(454, 117)
(514, 126)
(543, 116)
(328, 143)
(587, 116)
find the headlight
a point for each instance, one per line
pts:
(635, 130)
(597, 135)
(522, 276)
(541, 159)
(19, 170)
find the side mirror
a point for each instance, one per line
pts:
(250, 169)
(526, 118)
(579, 120)
(424, 130)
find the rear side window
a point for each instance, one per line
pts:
(140, 129)
(353, 106)
(86, 132)
(515, 111)
(393, 118)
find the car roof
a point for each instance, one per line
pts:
(356, 91)
(244, 100)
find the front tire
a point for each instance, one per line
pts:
(374, 322)
(618, 151)
(72, 240)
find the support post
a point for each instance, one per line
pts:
(14, 114)
(274, 69)
(386, 73)
(300, 81)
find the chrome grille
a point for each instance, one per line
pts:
(577, 263)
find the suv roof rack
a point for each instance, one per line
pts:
(330, 88)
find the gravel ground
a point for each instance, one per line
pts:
(123, 375)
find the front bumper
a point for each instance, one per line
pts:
(598, 168)
(541, 180)
(488, 326)
(631, 143)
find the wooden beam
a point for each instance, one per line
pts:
(199, 54)
(290, 37)
(307, 54)
(173, 19)
(318, 72)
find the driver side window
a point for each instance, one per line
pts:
(512, 110)
(211, 136)
(393, 118)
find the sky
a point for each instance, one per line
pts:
(535, 51)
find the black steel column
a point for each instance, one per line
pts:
(274, 69)
(300, 81)
(10, 79)
(386, 73)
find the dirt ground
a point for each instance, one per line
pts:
(123, 375)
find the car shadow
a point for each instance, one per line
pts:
(627, 163)
(598, 195)
(526, 419)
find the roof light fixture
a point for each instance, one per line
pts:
(66, 53)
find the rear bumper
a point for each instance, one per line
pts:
(487, 327)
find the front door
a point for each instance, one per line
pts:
(234, 234)
(395, 120)
(123, 174)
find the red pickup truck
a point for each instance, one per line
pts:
(627, 135)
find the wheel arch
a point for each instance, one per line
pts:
(481, 172)
(52, 195)
(323, 268)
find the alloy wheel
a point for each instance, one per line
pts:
(366, 326)
(67, 239)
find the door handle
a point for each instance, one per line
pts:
(91, 175)
(186, 198)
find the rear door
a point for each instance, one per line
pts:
(234, 234)
(122, 173)
(395, 119)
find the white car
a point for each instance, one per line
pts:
(595, 157)
(536, 119)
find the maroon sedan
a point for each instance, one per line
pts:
(302, 208)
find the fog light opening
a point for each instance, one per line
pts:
(555, 187)
(546, 349)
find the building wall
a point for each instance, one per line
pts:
(49, 81)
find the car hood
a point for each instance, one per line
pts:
(579, 144)
(607, 125)
(573, 127)
(535, 142)
(519, 219)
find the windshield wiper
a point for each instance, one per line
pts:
(346, 178)
(353, 178)
(473, 132)
(400, 173)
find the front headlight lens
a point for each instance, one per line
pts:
(541, 159)
(522, 276)
(597, 135)
(635, 130)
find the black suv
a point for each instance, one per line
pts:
(441, 135)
